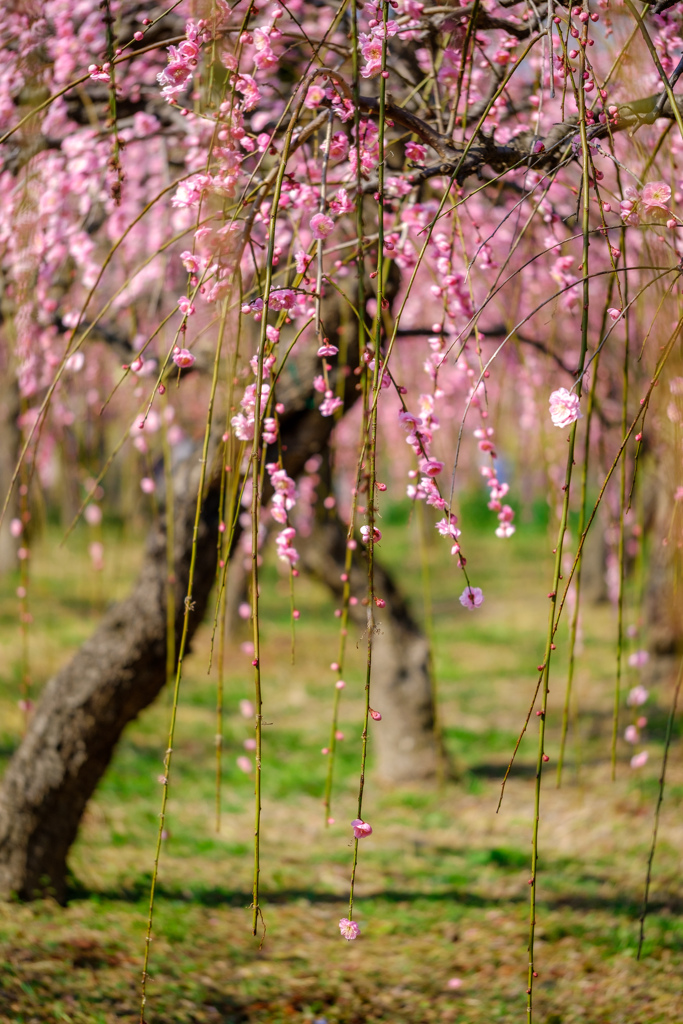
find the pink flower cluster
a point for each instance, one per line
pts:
(638, 695)
(420, 437)
(654, 197)
(243, 423)
(498, 489)
(182, 61)
(284, 498)
(283, 545)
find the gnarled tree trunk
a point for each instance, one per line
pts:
(406, 742)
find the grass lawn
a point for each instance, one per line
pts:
(443, 881)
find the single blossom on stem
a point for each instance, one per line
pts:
(564, 407)
(361, 828)
(656, 195)
(321, 225)
(365, 534)
(637, 696)
(471, 598)
(349, 929)
(183, 358)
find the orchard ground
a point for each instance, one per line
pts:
(443, 881)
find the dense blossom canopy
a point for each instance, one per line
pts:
(438, 218)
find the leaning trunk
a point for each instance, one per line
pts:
(407, 744)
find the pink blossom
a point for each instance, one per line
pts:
(361, 828)
(75, 362)
(183, 358)
(283, 543)
(656, 194)
(147, 485)
(314, 96)
(264, 57)
(629, 207)
(471, 598)
(455, 983)
(371, 48)
(349, 929)
(282, 298)
(432, 467)
(96, 552)
(564, 407)
(247, 709)
(321, 225)
(93, 515)
(637, 696)
(99, 74)
(415, 151)
(190, 262)
(327, 350)
(375, 715)
(244, 764)
(341, 202)
(638, 659)
(631, 734)
(243, 427)
(301, 261)
(639, 760)
(613, 313)
(365, 534)
(185, 306)
(447, 527)
(505, 530)
(330, 404)
(16, 527)
(339, 146)
(409, 421)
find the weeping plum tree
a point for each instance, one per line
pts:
(239, 238)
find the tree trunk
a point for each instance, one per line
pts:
(10, 443)
(663, 601)
(85, 707)
(407, 746)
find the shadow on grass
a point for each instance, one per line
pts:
(620, 903)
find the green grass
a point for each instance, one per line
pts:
(443, 881)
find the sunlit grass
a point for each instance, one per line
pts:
(442, 881)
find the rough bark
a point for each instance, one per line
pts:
(85, 707)
(406, 744)
(663, 601)
(9, 448)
